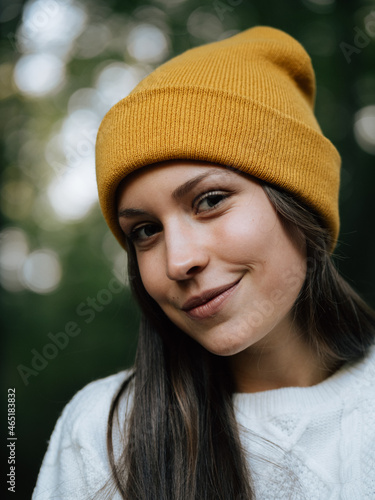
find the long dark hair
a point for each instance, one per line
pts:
(181, 438)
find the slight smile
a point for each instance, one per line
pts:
(210, 302)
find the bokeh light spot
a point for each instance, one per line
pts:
(73, 194)
(42, 271)
(51, 26)
(87, 99)
(320, 6)
(204, 25)
(14, 248)
(116, 81)
(364, 128)
(147, 43)
(39, 74)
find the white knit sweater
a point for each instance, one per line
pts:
(314, 443)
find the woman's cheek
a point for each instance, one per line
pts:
(150, 272)
(240, 239)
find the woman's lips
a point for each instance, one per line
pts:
(210, 302)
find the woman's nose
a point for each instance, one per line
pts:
(186, 252)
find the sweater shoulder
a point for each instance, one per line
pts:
(91, 404)
(364, 370)
(76, 463)
(84, 420)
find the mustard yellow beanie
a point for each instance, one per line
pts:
(245, 102)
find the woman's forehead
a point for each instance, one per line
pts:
(180, 170)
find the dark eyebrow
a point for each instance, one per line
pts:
(176, 194)
(185, 188)
(131, 212)
(190, 184)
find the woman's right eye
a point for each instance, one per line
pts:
(142, 233)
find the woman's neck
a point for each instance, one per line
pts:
(286, 360)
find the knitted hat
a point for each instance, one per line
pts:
(245, 102)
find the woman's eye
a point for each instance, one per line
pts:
(210, 201)
(144, 232)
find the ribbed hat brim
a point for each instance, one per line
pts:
(207, 125)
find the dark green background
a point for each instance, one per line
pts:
(107, 344)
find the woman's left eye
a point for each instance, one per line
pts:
(209, 201)
(144, 232)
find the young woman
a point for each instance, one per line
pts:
(255, 369)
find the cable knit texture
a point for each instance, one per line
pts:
(246, 102)
(314, 443)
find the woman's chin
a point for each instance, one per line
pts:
(224, 347)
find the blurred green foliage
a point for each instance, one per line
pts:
(340, 37)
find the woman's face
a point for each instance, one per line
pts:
(213, 253)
